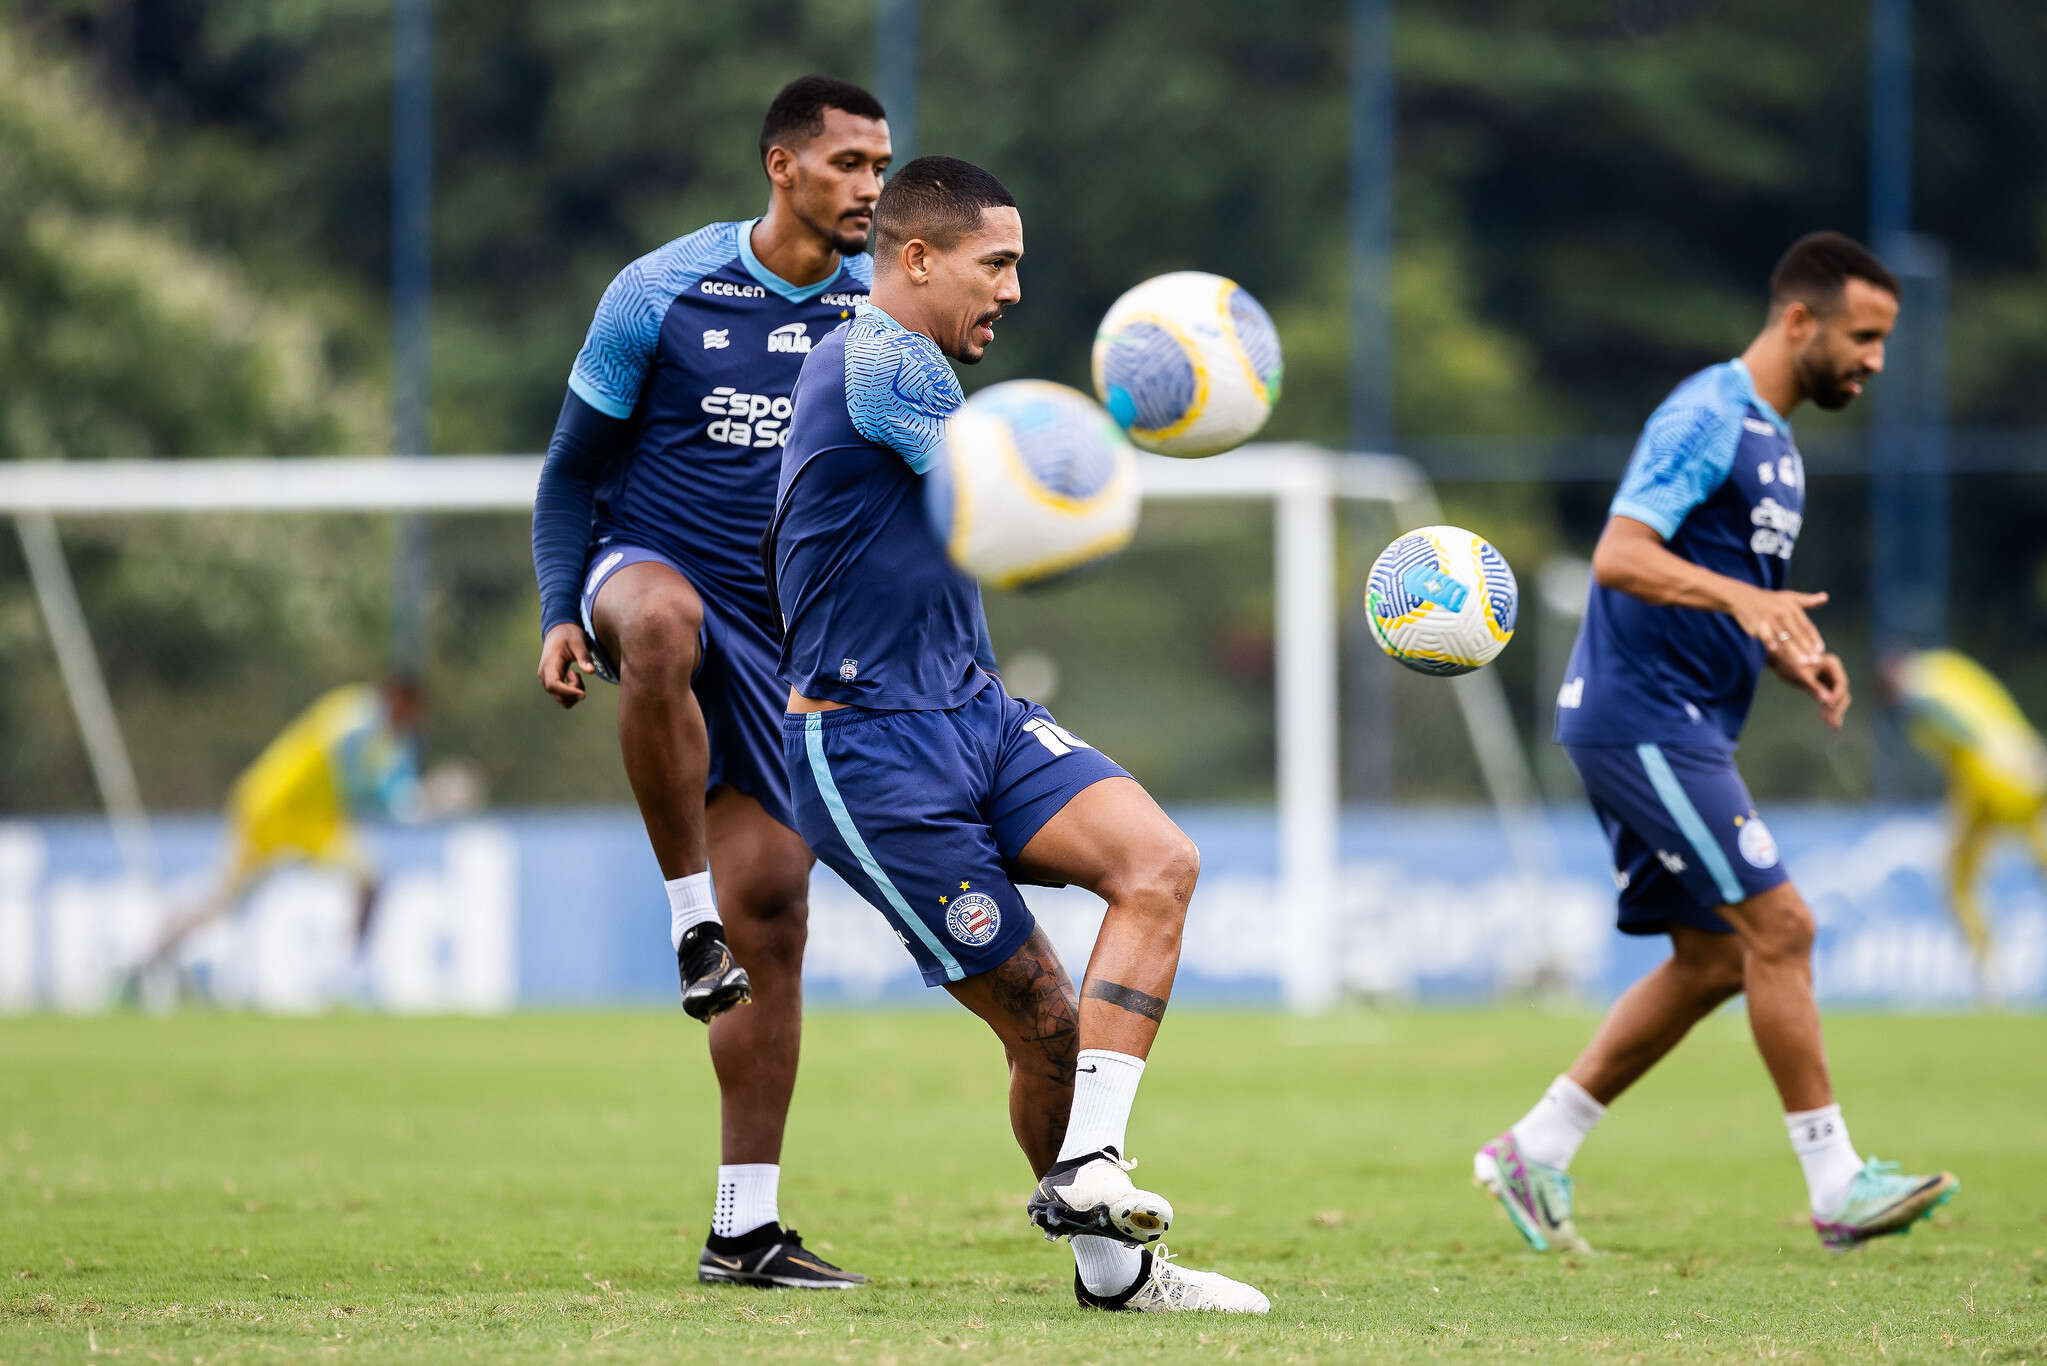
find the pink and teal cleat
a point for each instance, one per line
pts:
(1537, 1198)
(1881, 1201)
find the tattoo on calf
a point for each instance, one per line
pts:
(1131, 999)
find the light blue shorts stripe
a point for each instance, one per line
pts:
(813, 744)
(1704, 847)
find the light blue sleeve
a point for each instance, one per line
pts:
(620, 345)
(1685, 454)
(619, 348)
(900, 391)
(379, 772)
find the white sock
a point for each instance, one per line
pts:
(1104, 1085)
(746, 1198)
(1107, 1267)
(690, 903)
(1820, 1138)
(1551, 1132)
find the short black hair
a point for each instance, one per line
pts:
(936, 198)
(1818, 266)
(796, 114)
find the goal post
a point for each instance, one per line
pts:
(1306, 485)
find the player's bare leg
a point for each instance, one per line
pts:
(1965, 868)
(148, 981)
(1776, 930)
(649, 620)
(762, 871)
(1526, 1168)
(1029, 1002)
(1653, 1016)
(1114, 840)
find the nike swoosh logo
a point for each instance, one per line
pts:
(729, 1265)
(1089, 1068)
(1542, 1204)
(812, 1266)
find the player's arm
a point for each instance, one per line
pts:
(900, 393)
(584, 444)
(591, 432)
(1632, 558)
(1685, 454)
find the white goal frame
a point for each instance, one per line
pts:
(1304, 483)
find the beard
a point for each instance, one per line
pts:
(847, 238)
(1825, 384)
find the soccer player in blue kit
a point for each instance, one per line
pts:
(1688, 605)
(929, 789)
(658, 484)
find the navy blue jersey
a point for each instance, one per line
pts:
(874, 613)
(698, 345)
(1717, 476)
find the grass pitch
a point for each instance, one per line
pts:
(233, 1189)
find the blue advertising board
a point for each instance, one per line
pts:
(565, 908)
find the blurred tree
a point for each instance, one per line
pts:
(1589, 195)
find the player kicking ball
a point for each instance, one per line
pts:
(1687, 606)
(929, 789)
(646, 530)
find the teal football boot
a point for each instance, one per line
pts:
(1882, 1201)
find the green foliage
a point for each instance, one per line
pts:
(536, 1189)
(194, 248)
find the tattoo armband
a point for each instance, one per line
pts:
(1130, 999)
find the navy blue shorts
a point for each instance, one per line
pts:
(925, 812)
(1686, 838)
(738, 685)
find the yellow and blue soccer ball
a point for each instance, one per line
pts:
(1032, 480)
(1442, 601)
(1188, 363)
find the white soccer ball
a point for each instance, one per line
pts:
(1442, 601)
(1188, 363)
(1032, 479)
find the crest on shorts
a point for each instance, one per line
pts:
(1755, 841)
(973, 919)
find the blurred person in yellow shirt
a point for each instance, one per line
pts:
(1996, 765)
(353, 753)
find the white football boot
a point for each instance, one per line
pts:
(1092, 1193)
(1163, 1288)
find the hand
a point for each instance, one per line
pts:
(1826, 680)
(1779, 621)
(565, 650)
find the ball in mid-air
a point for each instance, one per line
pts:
(1032, 479)
(1188, 363)
(1442, 601)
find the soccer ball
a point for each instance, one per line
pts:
(1442, 601)
(1188, 363)
(1031, 480)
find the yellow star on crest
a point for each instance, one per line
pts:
(942, 900)
(963, 886)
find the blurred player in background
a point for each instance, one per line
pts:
(353, 754)
(1996, 766)
(929, 789)
(1688, 604)
(658, 485)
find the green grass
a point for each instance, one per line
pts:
(226, 1188)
